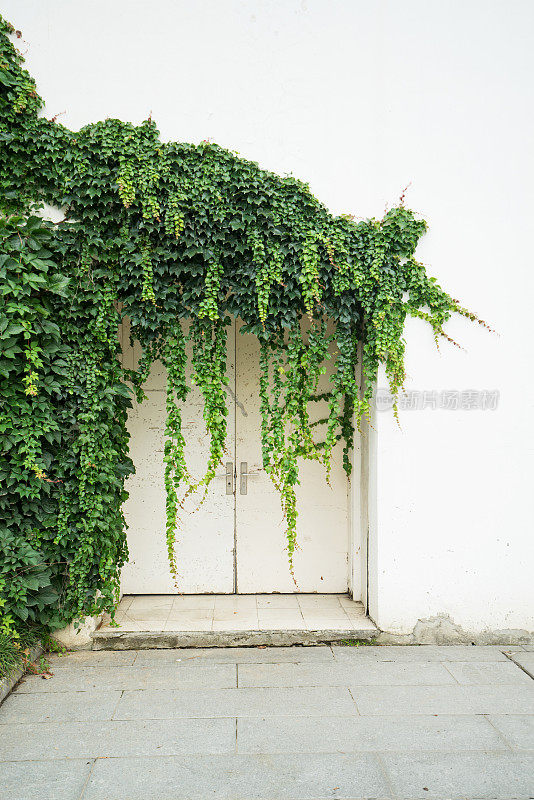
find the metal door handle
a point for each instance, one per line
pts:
(243, 478)
(229, 477)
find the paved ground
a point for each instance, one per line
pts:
(276, 724)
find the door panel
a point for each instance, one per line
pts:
(251, 522)
(205, 539)
(321, 565)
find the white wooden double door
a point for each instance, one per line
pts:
(235, 542)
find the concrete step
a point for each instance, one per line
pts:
(115, 639)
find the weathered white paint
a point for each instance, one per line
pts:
(205, 539)
(322, 562)
(78, 635)
(252, 522)
(360, 99)
(453, 504)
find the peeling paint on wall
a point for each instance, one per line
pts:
(441, 629)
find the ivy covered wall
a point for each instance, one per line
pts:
(164, 232)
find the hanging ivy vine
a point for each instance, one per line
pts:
(164, 233)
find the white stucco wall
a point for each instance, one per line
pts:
(359, 99)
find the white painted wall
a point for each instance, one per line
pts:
(359, 99)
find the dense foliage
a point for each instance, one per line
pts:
(163, 233)
(32, 368)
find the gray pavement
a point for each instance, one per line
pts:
(296, 723)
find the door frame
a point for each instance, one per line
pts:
(361, 488)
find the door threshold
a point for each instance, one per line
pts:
(166, 621)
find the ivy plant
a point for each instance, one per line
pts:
(179, 238)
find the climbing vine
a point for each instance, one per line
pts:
(177, 238)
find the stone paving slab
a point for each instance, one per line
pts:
(359, 734)
(482, 674)
(525, 661)
(444, 699)
(116, 738)
(256, 702)
(457, 775)
(254, 777)
(93, 658)
(517, 729)
(235, 655)
(379, 673)
(58, 707)
(44, 780)
(423, 652)
(180, 676)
